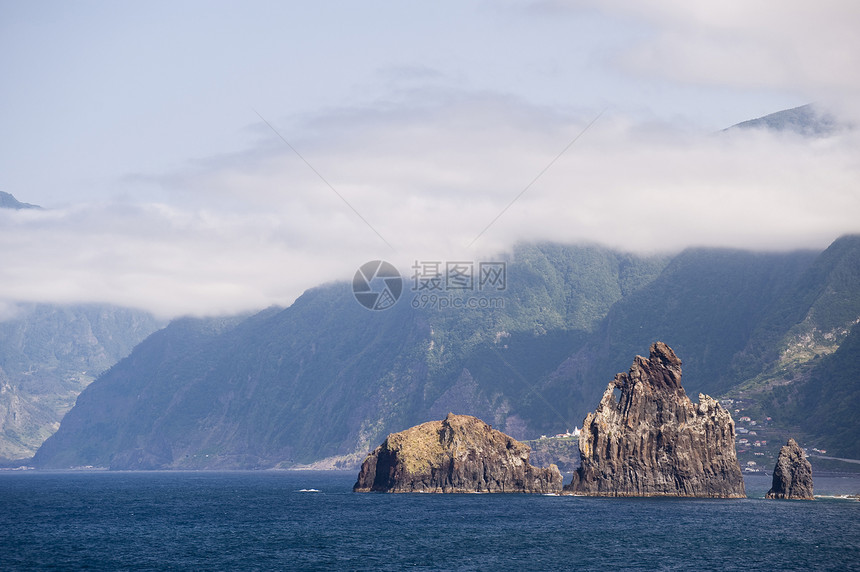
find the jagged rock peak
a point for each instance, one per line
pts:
(662, 369)
(653, 441)
(458, 454)
(792, 475)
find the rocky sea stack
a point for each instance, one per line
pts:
(792, 476)
(651, 440)
(460, 454)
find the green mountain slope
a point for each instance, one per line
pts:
(490, 361)
(705, 304)
(327, 379)
(810, 320)
(824, 405)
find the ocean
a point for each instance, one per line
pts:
(271, 520)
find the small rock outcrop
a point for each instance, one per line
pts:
(460, 454)
(792, 476)
(653, 441)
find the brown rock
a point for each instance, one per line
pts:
(653, 441)
(460, 454)
(792, 476)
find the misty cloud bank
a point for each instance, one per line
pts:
(433, 162)
(259, 227)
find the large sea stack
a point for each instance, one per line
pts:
(653, 441)
(792, 476)
(460, 454)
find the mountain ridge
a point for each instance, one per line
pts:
(326, 379)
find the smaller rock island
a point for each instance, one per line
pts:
(792, 475)
(459, 454)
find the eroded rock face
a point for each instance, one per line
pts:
(792, 476)
(653, 441)
(460, 454)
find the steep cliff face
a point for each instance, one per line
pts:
(460, 454)
(792, 476)
(653, 441)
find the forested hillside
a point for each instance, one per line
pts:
(326, 379)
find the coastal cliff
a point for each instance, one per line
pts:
(651, 440)
(459, 454)
(792, 475)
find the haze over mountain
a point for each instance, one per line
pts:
(212, 173)
(185, 177)
(808, 120)
(48, 355)
(257, 228)
(568, 324)
(326, 379)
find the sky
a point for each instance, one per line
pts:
(214, 157)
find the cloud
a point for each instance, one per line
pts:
(258, 227)
(433, 177)
(150, 256)
(806, 48)
(432, 160)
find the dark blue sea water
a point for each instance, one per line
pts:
(264, 521)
